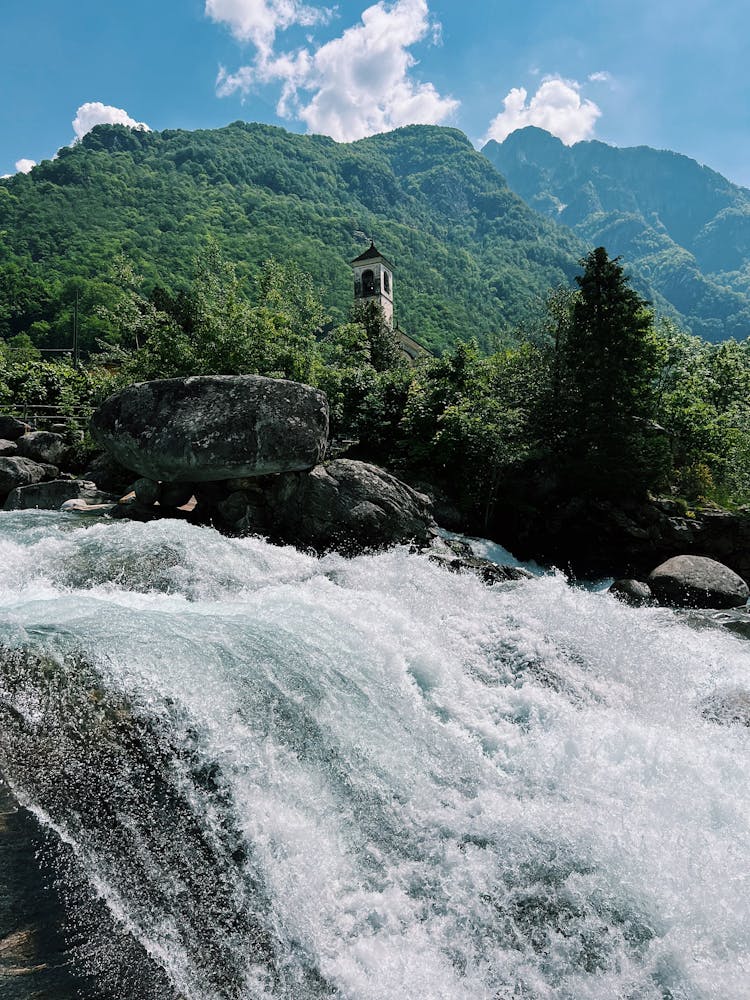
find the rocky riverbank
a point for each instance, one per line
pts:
(247, 455)
(621, 539)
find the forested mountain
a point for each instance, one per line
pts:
(471, 259)
(683, 227)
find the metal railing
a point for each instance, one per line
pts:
(45, 418)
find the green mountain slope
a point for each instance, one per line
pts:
(470, 257)
(683, 227)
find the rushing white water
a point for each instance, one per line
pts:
(373, 779)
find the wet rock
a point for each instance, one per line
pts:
(214, 427)
(11, 429)
(43, 446)
(633, 592)
(456, 546)
(34, 959)
(16, 471)
(734, 620)
(53, 494)
(488, 571)
(727, 707)
(699, 582)
(350, 506)
(7, 448)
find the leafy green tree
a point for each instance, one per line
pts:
(212, 327)
(466, 423)
(383, 347)
(703, 399)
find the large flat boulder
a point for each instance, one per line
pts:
(697, 582)
(213, 427)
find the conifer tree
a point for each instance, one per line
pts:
(610, 362)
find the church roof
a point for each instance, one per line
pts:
(372, 253)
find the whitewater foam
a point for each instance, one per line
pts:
(383, 780)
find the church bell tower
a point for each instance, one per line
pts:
(373, 280)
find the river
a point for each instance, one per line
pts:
(260, 774)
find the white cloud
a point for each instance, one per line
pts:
(359, 83)
(557, 106)
(229, 83)
(601, 77)
(257, 21)
(23, 166)
(95, 113)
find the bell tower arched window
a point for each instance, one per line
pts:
(368, 283)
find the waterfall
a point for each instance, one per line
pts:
(270, 775)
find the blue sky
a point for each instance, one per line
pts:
(660, 73)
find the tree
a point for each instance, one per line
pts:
(608, 443)
(384, 350)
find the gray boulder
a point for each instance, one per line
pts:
(698, 582)
(633, 592)
(350, 506)
(43, 446)
(52, 495)
(11, 429)
(213, 427)
(16, 471)
(7, 448)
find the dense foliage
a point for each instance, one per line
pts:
(470, 257)
(598, 401)
(683, 228)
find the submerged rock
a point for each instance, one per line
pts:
(727, 707)
(734, 620)
(214, 427)
(698, 582)
(485, 569)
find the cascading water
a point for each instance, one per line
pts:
(276, 776)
